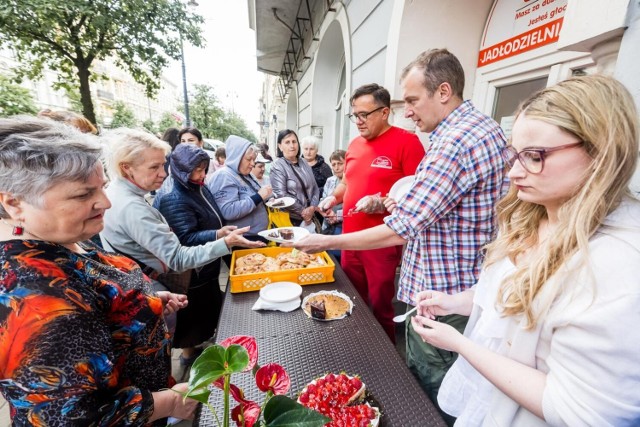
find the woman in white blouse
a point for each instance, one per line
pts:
(553, 336)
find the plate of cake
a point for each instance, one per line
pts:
(342, 398)
(327, 305)
(281, 202)
(284, 234)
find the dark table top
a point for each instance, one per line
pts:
(307, 349)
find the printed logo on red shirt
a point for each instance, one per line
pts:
(381, 162)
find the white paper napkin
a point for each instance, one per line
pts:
(277, 306)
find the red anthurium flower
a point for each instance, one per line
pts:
(247, 411)
(248, 343)
(235, 391)
(272, 377)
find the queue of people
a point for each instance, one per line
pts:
(520, 256)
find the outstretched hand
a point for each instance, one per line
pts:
(235, 238)
(310, 244)
(224, 231)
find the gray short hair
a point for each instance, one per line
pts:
(36, 154)
(127, 145)
(311, 140)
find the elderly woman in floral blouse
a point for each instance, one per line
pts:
(82, 335)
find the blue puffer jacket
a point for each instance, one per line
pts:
(190, 208)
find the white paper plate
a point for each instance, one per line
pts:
(401, 187)
(281, 292)
(298, 233)
(287, 201)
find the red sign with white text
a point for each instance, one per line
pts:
(540, 36)
(517, 26)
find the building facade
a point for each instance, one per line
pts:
(318, 52)
(117, 85)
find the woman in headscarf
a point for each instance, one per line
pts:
(237, 193)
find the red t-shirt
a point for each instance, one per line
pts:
(373, 167)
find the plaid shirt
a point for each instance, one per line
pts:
(448, 214)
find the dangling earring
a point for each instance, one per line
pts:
(18, 230)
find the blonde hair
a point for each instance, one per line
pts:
(599, 111)
(73, 119)
(128, 145)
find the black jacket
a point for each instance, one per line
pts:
(189, 208)
(321, 172)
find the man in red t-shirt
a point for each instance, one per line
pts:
(375, 160)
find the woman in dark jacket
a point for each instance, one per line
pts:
(321, 171)
(194, 217)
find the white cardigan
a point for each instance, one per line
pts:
(588, 343)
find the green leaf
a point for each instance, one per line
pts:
(201, 395)
(236, 358)
(282, 411)
(208, 367)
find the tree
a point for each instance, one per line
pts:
(149, 125)
(122, 116)
(205, 110)
(68, 36)
(213, 120)
(237, 126)
(15, 99)
(167, 121)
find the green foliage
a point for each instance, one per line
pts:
(235, 125)
(167, 121)
(75, 101)
(281, 411)
(214, 121)
(15, 99)
(68, 36)
(149, 125)
(205, 110)
(122, 116)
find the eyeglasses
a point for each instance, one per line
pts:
(362, 116)
(532, 159)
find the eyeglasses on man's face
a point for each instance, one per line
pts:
(532, 159)
(362, 116)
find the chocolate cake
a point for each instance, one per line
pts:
(286, 234)
(318, 309)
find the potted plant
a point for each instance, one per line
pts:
(239, 354)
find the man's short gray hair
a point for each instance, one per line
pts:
(36, 154)
(127, 146)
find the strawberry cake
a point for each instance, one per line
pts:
(340, 397)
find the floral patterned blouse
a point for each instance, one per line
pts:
(82, 338)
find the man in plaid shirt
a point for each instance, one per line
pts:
(448, 214)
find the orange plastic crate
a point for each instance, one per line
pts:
(255, 281)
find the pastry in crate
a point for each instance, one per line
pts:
(257, 262)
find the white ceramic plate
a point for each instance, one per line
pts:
(281, 292)
(307, 311)
(401, 187)
(298, 233)
(287, 201)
